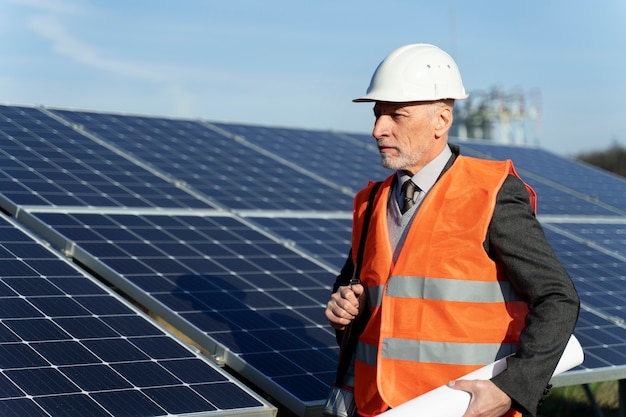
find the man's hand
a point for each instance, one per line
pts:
(343, 306)
(487, 399)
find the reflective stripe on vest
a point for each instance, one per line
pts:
(366, 353)
(434, 352)
(375, 296)
(451, 289)
(445, 352)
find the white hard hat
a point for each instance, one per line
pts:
(416, 72)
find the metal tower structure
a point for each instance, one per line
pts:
(499, 116)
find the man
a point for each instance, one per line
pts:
(461, 278)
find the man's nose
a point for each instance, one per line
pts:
(381, 127)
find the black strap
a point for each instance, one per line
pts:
(355, 328)
(366, 223)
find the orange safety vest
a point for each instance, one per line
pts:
(443, 309)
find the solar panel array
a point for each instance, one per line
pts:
(234, 233)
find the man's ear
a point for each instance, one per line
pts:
(443, 120)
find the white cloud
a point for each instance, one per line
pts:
(64, 44)
(48, 23)
(54, 6)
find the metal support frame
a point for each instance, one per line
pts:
(621, 397)
(592, 399)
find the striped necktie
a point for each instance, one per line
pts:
(408, 188)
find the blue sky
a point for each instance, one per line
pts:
(298, 63)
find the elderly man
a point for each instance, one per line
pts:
(456, 270)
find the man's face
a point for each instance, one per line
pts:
(405, 134)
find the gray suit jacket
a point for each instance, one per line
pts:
(516, 242)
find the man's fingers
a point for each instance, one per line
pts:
(357, 289)
(487, 399)
(459, 384)
(343, 306)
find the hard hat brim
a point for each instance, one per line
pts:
(371, 99)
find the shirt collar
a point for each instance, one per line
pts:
(426, 177)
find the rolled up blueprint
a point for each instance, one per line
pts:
(448, 402)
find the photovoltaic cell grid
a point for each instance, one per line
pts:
(43, 162)
(322, 153)
(599, 272)
(69, 347)
(248, 293)
(326, 239)
(229, 172)
(605, 351)
(611, 236)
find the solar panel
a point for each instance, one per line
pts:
(609, 234)
(597, 271)
(324, 238)
(602, 340)
(322, 153)
(247, 276)
(248, 298)
(70, 347)
(215, 164)
(44, 162)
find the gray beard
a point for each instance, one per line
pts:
(396, 164)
